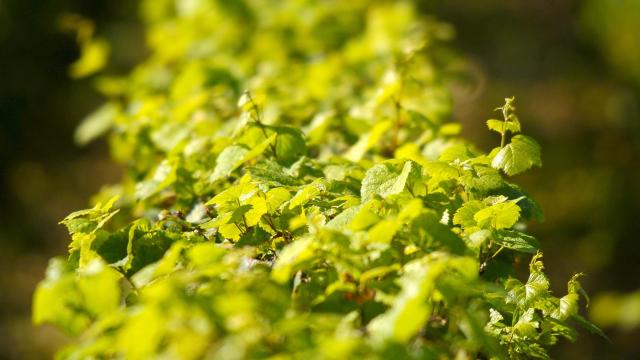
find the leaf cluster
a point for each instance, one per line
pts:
(331, 211)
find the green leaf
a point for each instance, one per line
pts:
(465, 214)
(568, 307)
(93, 57)
(235, 155)
(291, 256)
(290, 145)
(456, 152)
(499, 216)
(272, 173)
(367, 141)
(56, 299)
(276, 197)
(317, 129)
(521, 154)
(526, 325)
(364, 218)
(384, 180)
(341, 220)
(230, 197)
(384, 231)
(410, 309)
(96, 124)
(169, 136)
(412, 306)
(73, 301)
(257, 150)
(163, 176)
(90, 220)
(228, 160)
(590, 326)
(537, 285)
(145, 247)
(482, 179)
(501, 127)
(440, 171)
(518, 241)
(306, 193)
(100, 288)
(258, 208)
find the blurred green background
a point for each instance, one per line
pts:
(573, 65)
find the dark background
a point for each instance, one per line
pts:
(576, 78)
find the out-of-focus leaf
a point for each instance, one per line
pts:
(96, 124)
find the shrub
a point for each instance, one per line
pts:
(331, 211)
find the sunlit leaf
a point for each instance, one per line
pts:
(521, 154)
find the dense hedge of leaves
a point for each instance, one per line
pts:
(329, 211)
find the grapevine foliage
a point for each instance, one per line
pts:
(330, 211)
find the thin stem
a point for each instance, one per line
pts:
(269, 222)
(255, 108)
(504, 126)
(258, 119)
(124, 275)
(397, 125)
(497, 252)
(397, 102)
